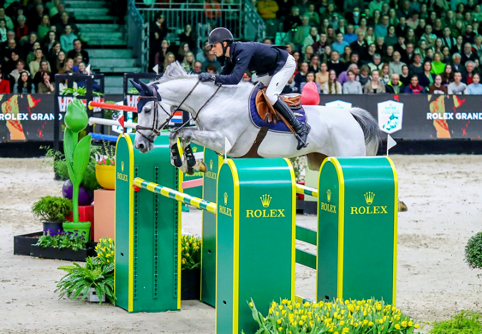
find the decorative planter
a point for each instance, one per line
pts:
(85, 196)
(93, 297)
(54, 226)
(191, 284)
(63, 253)
(105, 176)
(22, 244)
(78, 228)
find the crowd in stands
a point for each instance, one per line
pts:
(38, 39)
(359, 47)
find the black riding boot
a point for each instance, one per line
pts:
(302, 129)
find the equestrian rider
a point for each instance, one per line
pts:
(273, 66)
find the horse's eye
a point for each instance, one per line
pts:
(147, 111)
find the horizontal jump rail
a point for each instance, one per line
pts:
(103, 121)
(176, 195)
(300, 189)
(112, 106)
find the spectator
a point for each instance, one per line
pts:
(428, 36)
(37, 78)
(158, 32)
(370, 36)
(58, 62)
(458, 47)
(381, 30)
(391, 38)
(447, 38)
(395, 86)
(161, 55)
(197, 68)
(350, 36)
(405, 77)
(335, 63)
(310, 77)
(381, 48)
(468, 76)
(343, 77)
(385, 73)
(364, 75)
(55, 18)
(352, 86)
(44, 27)
(438, 47)
(301, 76)
(7, 19)
(371, 53)
(211, 59)
(355, 59)
(188, 62)
(332, 86)
(3, 31)
(475, 88)
(468, 54)
(22, 28)
(15, 74)
(375, 5)
(404, 10)
(311, 38)
(10, 65)
(446, 56)
(377, 64)
(426, 77)
(4, 85)
(35, 64)
(354, 17)
(77, 62)
(447, 75)
(346, 56)
(54, 54)
(24, 85)
(437, 87)
(314, 64)
(211, 68)
(35, 18)
(319, 46)
(437, 66)
(67, 39)
(302, 31)
(413, 22)
(322, 76)
(478, 45)
(170, 58)
(416, 68)
(49, 41)
(312, 15)
(396, 65)
(414, 87)
(78, 49)
(293, 21)
(182, 51)
(401, 28)
(68, 66)
(267, 9)
(457, 64)
(326, 55)
(360, 46)
(374, 85)
(46, 87)
(457, 87)
(189, 37)
(411, 38)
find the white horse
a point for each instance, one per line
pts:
(338, 133)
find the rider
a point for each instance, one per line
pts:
(272, 64)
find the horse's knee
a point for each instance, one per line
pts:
(187, 136)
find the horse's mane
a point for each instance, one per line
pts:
(174, 72)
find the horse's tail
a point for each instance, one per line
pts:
(370, 129)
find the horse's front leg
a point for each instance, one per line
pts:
(176, 159)
(208, 139)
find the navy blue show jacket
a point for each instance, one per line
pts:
(256, 57)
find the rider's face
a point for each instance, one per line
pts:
(218, 49)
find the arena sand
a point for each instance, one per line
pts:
(444, 198)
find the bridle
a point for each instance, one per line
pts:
(155, 127)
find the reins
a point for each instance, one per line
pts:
(156, 130)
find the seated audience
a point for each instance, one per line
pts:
(457, 87)
(437, 87)
(332, 86)
(46, 87)
(24, 84)
(352, 86)
(395, 86)
(475, 88)
(414, 87)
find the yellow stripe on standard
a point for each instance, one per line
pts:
(341, 226)
(293, 227)
(395, 231)
(130, 293)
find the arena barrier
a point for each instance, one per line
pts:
(357, 224)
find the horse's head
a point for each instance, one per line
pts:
(152, 116)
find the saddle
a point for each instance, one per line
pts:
(268, 113)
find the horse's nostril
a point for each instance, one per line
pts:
(141, 146)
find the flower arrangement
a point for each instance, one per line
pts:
(105, 250)
(98, 274)
(337, 317)
(52, 208)
(61, 240)
(106, 155)
(190, 252)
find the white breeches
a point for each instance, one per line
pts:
(277, 82)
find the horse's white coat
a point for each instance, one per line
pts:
(333, 132)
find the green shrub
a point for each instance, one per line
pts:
(466, 322)
(52, 209)
(342, 317)
(473, 251)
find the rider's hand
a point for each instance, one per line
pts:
(207, 77)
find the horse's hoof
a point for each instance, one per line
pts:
(402, 207)
(177, 161)
(190, 171)
(202, 167)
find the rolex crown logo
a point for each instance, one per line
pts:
(122, 166)
(211, 164)
(265, 200)
(328, 195)
(225, 198)
(369, 196)
(194, 149)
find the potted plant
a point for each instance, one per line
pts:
(77, 156)
(105, 167)
(53, 211)
(95, 278)
(63, 246)
(191, 267)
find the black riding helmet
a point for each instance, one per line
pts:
(219, 35)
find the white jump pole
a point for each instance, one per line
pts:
(103, 121)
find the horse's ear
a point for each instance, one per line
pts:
(148, 90)
(137, 86)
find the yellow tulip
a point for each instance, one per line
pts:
(404, 324)
(250, 304)
(397, 326)
(417, 326)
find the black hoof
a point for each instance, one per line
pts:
(190, 159)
